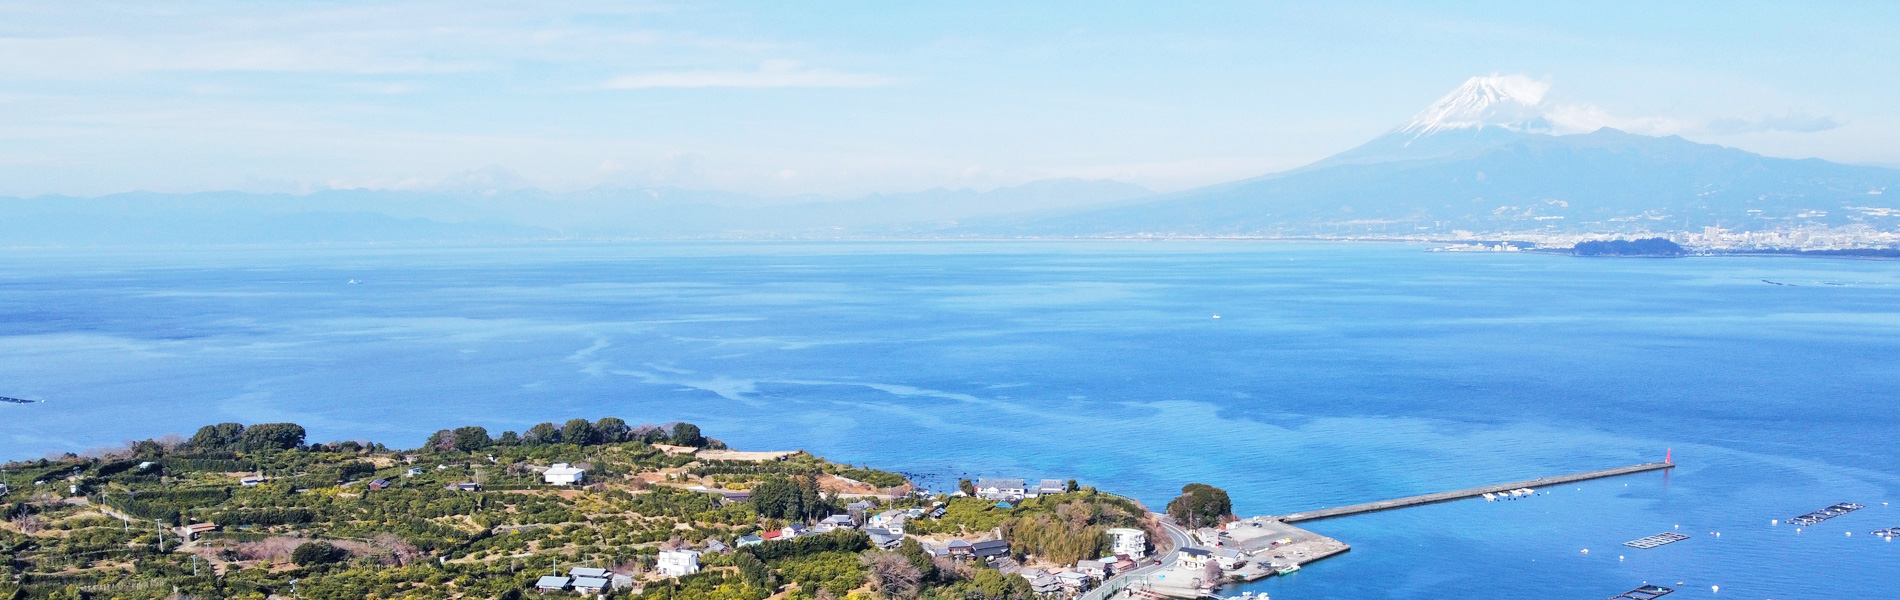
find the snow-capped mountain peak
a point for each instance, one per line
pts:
(1512, 102)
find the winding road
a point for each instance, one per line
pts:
(1180, 540)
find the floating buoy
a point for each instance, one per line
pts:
(1619, 557)
(1586, 550)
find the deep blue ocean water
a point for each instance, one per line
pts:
(1336, 374)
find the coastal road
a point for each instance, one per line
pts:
(1121, 580)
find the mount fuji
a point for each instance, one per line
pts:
(1493, 156)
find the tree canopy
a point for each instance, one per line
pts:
(1201, 505)
(687, 434)
(795, 498)
(317, 553)
(611, 429)
(273, 436)
(542, 433)
(219, 437)
(471, 438)
(579, 432)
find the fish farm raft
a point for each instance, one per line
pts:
(1826, 513)
(1656, 540)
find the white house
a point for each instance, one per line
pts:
(885, 538)
(1129, 541)
(890, 519)
(1051, 486)
(1229, 558)
(839, 521)
(1193, 559)
(677, 563)
(1000, 489)
(1072, 580)
(563, 474)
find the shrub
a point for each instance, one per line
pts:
(311, 554)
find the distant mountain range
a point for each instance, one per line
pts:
(1482, 159)
(1482, 162)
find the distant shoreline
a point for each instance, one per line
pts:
(447, 244)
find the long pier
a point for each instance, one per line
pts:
(1328, 513)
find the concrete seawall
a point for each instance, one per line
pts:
(1327, 513)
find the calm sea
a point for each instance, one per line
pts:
(1334, 374)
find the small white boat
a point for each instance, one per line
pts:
(1490, 497)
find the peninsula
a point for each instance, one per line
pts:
(604, 509)
(588, 508)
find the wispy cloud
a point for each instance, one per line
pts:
(1793, 122)
(1585, 118)
(770, 74)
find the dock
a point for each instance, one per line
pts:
(1328, 513)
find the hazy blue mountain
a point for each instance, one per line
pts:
(1483, 160)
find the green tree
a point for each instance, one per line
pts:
(687, 434)
(651, 434)
(579, 432)
(1200, 505)
(508, 438)
(471, 438)
(218, 437)
(918, 557)
(968, 489)
(795, 498)
(442, 440)
(543, 433)
(317, 553)
(1071, 487)
(273, 436)
(612, 430)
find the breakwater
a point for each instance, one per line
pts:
(1341, 511)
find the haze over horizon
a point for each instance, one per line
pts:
(844, 100)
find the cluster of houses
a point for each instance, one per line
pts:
(586, 580)
(1127, 546)
(1016, 490)
(886, 529)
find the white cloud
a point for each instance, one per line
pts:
(1584, 118)
(770, 74)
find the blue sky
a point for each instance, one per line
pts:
(846, 98)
